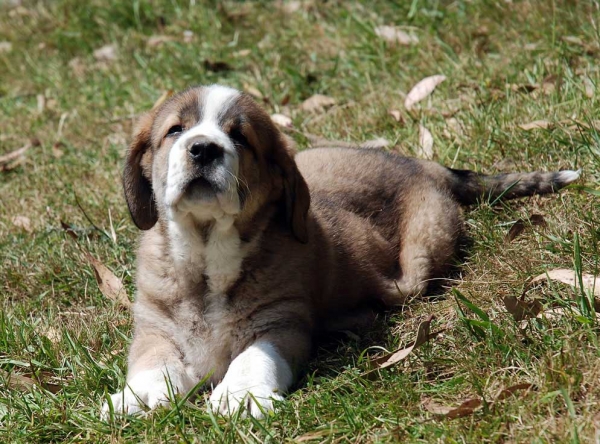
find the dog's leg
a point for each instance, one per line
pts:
(430, 227)
(261, 374)
(155, 371)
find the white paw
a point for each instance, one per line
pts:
(256, 398)
(146, 390)
(256, 378)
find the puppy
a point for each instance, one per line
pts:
(248, 252)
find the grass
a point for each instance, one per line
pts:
(507, 64)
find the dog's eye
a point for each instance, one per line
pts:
(238, 137)
(174, 130)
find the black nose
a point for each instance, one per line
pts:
(205, 153)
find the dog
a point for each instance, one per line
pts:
(248, 251)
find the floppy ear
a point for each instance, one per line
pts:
(295, 190)
(136, 184)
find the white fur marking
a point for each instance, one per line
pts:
(215, 102)
(568, 176)
(148, 388)
(254, 379)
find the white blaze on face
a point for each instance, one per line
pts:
(215, 101)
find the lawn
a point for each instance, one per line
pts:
(75, 75)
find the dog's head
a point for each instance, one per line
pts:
(210, 152)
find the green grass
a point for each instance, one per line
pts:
(56, 325)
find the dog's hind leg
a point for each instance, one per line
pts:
(430, 226)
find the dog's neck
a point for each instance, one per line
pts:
(211, 250)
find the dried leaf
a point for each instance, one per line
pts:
(26, 383)
(520, 225)
(317, 103)
(525, 88)
(288, 7)
(590, 89)
(107, 53)
(282, 120)
(521, 309)
(109, 284)
(590, 283)
(162, 99)
(396, 114)
(425, 143)
(536, 124)
(378, 143)
(41, 103)
(510, 391)
(572, 39)
(22, 222)
(422, 90)
(253, 91)
(158, 40)
(14, 155)
(464, 409)
(5, 47)
(242, 53)
(423, 335)
(53, 334)
(69, 230)
(393, 35)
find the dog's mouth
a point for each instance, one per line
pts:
(200, 188)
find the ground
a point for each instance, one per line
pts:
(507, 64)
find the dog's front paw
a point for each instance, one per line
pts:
(146, 390)
(255, 397)
(256, 378)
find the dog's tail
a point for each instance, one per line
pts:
(469, 187)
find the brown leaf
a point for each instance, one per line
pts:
(56, 150)
(317, 103)
(109, 284)
(157, 40)
(288, 7)
(242, 53)
(536, 124)
(589, 88)
(590, 283)
(69, 230)
(107, 53)
(14, 155)
(162, 99)
(393, 35)
(423, 335)
(464, 409)
(425, 143)
(521, 309)
(510, 391)
(422, 90)
(253, 91)
(26, 383)
(397, 115)
(22, 222)
(378, 143)
(524, 88)
(282, 120)
(520, 225)
(53, 334)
